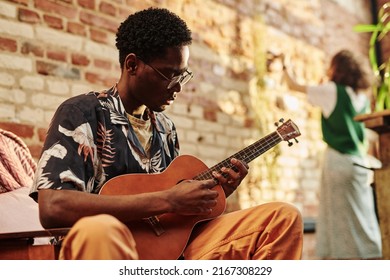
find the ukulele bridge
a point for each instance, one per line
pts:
(154, 222)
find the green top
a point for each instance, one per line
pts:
(340, 131)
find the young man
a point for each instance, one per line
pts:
(99, 135)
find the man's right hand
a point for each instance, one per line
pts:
(193, 197)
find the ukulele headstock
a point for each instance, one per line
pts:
(288, 130)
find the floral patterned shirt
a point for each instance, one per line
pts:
(90, 141)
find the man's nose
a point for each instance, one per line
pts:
(177, 87)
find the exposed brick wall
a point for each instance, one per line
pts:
(52, 50)
(385, 42)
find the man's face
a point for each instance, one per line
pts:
(153, 86)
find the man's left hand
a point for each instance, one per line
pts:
(230, 178)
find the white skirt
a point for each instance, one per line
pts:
(347, 226)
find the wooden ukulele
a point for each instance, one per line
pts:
(165, 237)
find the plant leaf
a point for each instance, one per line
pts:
(366, 28)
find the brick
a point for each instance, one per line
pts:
(63, 40)
(58, 87)
(195, 111)
(104, 64)
(249, 122)
(8, 45)
(100, 50)
(207, 126)
(51, 69)
(80, 59)
(35, 150)
(8, 111)
(183, 122)
(29, 16)
(23, 30)
(123, 13)
(32, 82)
(6, 79)
(42, 133)
(76, 28)
(95, 20)
(89, 4)
(8, 10)
(107, 8)
(234, 131)
(188, 148)
(57, 8)
(216, 153)
(58, 55)
(48, 115)
(210, 115)
(98, 35)
(223, 118)
(31, 115)
(23, 2)
(196, 137)
(20, 96)
(53, 22)
(46, 101)
(314, 175)
(116, 67)
(77, 89)
(223, 140)
(178, 108)
(138, 5)
(191, 136)
(36, 50)
(102, 79)
(15, 62)
(6, 96)
(22, 130)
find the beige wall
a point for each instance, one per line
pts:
(52, 50)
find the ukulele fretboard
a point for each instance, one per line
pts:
(246, 155)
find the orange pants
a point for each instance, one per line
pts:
(269, 231)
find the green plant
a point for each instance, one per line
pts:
(381, 90)
(265, 113)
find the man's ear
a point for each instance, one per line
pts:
(131, 63)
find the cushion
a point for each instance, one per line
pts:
(17, 167)
(18, 212)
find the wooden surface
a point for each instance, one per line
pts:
(33, 234)
(20, 245)
(25, 251)
(380, 122)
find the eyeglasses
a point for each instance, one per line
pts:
(181, 79)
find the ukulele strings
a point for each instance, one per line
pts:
(246, 155)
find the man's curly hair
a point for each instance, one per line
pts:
(148, 33)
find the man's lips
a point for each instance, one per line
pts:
(171, 99)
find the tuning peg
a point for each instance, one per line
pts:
(289, 143)
(296, 141)
(280, 121)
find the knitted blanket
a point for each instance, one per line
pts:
(17, 167)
